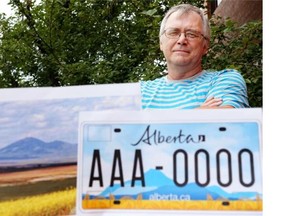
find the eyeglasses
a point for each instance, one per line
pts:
(174, 33)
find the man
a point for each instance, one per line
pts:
(184, 40)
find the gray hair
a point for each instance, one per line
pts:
(186, 8)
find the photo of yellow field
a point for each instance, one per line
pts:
(51, 204)
(209, 204)
(46, 191)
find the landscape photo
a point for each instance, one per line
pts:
(39, 142)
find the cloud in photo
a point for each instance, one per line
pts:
(53, 119)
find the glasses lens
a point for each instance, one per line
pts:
(172, 33)
(192, 34)
(189, 34)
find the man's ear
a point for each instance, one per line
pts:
(160, 42)
(206, 47)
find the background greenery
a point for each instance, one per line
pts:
(78, 42)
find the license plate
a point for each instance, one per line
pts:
(169, 161)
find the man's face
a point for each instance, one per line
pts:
(181, 51)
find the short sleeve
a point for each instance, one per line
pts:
(231, 87)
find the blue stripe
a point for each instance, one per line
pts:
(189, 94)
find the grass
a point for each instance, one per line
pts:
(32, 189)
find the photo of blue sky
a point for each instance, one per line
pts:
(53, 119)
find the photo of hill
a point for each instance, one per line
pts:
(32, 148)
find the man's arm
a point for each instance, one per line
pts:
(214, 103)
(230, 86)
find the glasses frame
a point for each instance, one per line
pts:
(197, 33)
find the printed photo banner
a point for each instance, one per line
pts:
(170, 162)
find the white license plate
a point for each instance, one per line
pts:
(150, 161)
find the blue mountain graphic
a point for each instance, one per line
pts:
(233, 196)
(193, 190)
(157, 185)
(153, 179)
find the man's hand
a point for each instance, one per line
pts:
(213, 103)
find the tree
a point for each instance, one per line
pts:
(240, 48)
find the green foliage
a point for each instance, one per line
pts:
(77, 42)
(240, 48)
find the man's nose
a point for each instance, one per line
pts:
(182, 38)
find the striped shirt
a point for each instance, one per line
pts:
(190, 93)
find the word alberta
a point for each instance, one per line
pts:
(156, 137)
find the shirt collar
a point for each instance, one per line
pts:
(183, 80)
